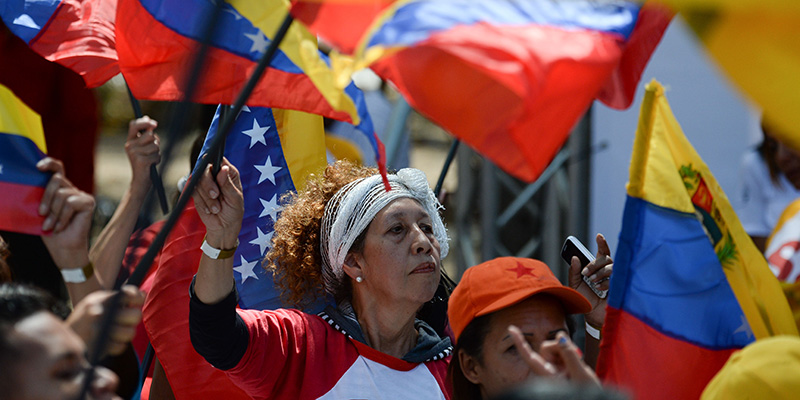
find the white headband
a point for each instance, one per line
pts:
(353, 207)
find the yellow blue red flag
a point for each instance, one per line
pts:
(21, 147)
(274, 151)
(689, 286)
(510, 78)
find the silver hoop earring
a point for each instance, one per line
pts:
(359, 279)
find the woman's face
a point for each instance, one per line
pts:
(539, 318)
(400, 257)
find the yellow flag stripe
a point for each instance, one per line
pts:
(18, 119)
(303, 141)
(300, 46)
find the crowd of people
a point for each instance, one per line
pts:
(374, 251)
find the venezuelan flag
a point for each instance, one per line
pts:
(21, 147)
(274, 151)
(155, 40)
(511, 78)
(78, 34)
(689, 286)
(341, 23)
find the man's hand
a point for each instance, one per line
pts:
(68, 217)
(87, 316)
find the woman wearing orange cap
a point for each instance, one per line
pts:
(509, 318)
(376, 252)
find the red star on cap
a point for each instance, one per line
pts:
(522, 270)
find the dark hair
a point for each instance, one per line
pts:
(18, 301)
(767, 150)
(5, 270)
(471, 342)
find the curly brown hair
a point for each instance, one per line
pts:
(295, 257)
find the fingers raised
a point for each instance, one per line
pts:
(537, 364)
(576, 369)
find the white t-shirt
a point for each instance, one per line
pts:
(761, 201)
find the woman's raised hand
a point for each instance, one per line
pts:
(220, 204)
(558, 358)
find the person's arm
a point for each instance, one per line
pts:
(109, 249)
(217, 332)
(598, 271)
(68, 217)
(220, 205)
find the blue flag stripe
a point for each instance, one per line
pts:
(417, 21)
(667, 274)
(18, 158)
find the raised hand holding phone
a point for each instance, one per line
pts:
(574, 248)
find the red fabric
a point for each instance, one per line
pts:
(155, 61)
(340, 24)
(80, 36)
(59, 95)
(140, 242)
(294, 355)
(166, 317)
(312, 358)
(620, 89)
(20, 205)
(650, 365)
(512, 99)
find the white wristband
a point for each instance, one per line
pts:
(592, 331)
(78, 275)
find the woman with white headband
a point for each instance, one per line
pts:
(376, 252)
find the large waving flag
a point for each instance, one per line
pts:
(689, 286)
(340, 23)
(21, 147)
(156, 40)
(511, 77)
(755, 43)
(274, 151)
(78, 34)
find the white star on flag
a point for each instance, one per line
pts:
(1, 171)
(271, 208)
(235, 14)
(744, 328)
(260, 42)
(268, 171)
(262, 240)
(256, 134)
(246, 269)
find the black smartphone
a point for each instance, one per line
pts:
(574, 247)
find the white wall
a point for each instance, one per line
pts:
(713, 114)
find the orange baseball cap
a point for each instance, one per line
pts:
(505, 281)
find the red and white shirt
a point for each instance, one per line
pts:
(294, 355)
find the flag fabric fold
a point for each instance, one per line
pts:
(274, 151)
(754, 43)
(156, 40)
(22, 145)
(78, 34)
(510, 78)
(689, 286)
(339, 23)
